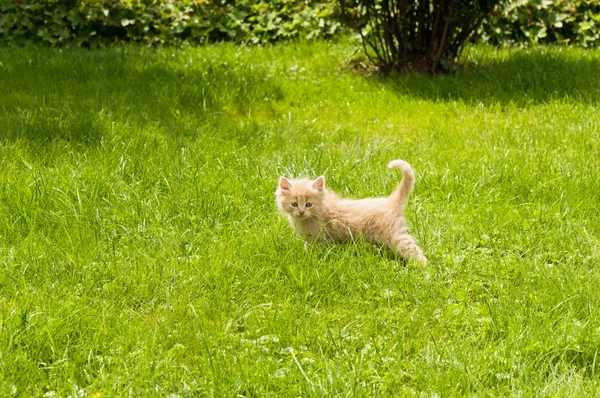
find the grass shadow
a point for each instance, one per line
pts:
(519, 77)
(50, 94)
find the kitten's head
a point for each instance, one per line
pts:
(300, 198)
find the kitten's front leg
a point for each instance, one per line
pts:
(311, 240)
(308, 240)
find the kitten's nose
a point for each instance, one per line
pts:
(301, 212)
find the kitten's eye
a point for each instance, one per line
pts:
(308, 204)
(294, 204)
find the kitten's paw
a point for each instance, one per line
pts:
(419, 260)
(408, 249)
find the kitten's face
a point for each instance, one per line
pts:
(300, 198)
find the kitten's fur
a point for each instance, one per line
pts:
(328, 217)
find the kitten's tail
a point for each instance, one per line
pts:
(403, 191)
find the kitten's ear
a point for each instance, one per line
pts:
(319, 183)
(284, 184)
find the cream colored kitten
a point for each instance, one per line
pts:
(318, 213)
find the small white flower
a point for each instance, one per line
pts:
(279, 373)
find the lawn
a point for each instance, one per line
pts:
(142, 254)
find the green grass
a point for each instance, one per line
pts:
(142, 255)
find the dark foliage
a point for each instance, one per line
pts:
(97, 22)
(544, 22)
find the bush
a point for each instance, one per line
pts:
(97, 22)
(415, 34)
(544, 21)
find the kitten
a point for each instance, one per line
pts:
(317, 213)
